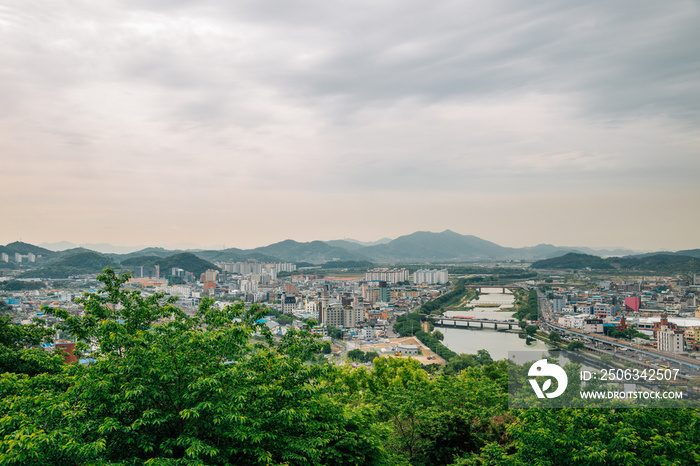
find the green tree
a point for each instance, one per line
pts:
(284, 319)
(574, 345)
(554, 337)
(409, 325)
(601, 436)
(483, 357)
(356, 354)
(459, 363)
(20, 351)
(179, 389)
(4, 307)
(530, 330)
(369, 356)
(432, 419)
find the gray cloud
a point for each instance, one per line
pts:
(228, 99)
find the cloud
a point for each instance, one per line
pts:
(189, 103)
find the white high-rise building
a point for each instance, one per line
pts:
(387, 275)
(249, 286)
(430, 277)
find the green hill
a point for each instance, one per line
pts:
(689, 252)
(660, 263)
(184, 260)
(139, 261)
(75, 264)
(159, 252)
(574, 261)
(317, 252)
(426, 246)
(25, 248)
(234, 255)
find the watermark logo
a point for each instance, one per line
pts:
(542, 368)
(568, 379)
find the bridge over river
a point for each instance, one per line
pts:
(471, 322)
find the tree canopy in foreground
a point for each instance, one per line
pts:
(215, 388)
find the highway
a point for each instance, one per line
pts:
(643, 353)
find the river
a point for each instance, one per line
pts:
(463, 340)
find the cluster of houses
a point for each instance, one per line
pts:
(664, 310)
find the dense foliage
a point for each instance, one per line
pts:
(437, 305)
(20, 285)
(4, 307)
(74, 264)
(407, 325)
(19, 351)
(362, 356)
(170, 388)
(627, 333)
(434, 344)
(526, 306)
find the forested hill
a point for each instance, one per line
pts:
(74, 264)
(661, 263)
(25, 248)
(572, 261)
(184, 260)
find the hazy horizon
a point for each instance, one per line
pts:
(125, 249)
(247, 123)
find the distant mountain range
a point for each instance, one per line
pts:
(422, 247)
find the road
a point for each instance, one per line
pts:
(688, 365)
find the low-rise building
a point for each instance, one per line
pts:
(593, 325)
(671, 341)
(408, 350)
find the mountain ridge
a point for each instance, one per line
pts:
(418, 247)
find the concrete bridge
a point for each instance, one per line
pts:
(479, 287)
(467, 322)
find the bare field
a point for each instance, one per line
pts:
(423, 358)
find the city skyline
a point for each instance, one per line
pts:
(209, 123)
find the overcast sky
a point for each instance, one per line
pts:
(245, 123)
